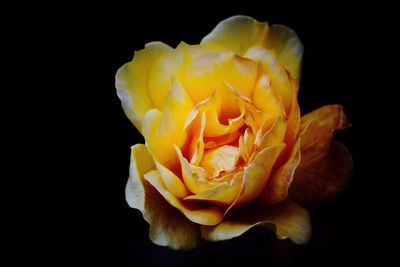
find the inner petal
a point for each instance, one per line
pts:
(220, 159)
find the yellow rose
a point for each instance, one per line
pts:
(224, 137)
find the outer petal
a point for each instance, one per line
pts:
(238, 33)
(131, 82)
(323, 178)
(278, 185)
(196, 212)
(317, 128)
(168, 227)
(288, 219)
(287, 47)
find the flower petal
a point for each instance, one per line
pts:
(206, 73)
(131, 82)
(287, 47)
(323, 178)
(256, 175)
(317, 128)
(223, 194)
(270, 66)
(198, 213)
(278, 185)
(223, 158)
(287, 218)
(162, 130)
(168, 227)
(264, 98)
(238, 33)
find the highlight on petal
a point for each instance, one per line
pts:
(238, 33)
(323, 178)
(288, 219)
(317, 128)
(287, 47)
(200, 213)
(131, 82)
(220, 159)
(168, 226)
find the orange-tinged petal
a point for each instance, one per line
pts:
(280, 181)
(196, 146)
(223, 158)
(317, 128)
(287, 47)
(196, 212)
(279, 80)
(288, 219)
(168, 226)
(164, 129)
(238, 33)
(131, 82)
(256, 175)
(222, 194)
(323, 178)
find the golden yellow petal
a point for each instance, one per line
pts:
(238, 33)
(217, 160)
(264, 98)
(257, 174)
(280, 181)
(168, 226)
(275, 135)
(198, 213)
(279, 80)
(131, 82)
(287, 47)
(195, 177)
(206, 73)
(222, 194)
(173, 65)
(163, 130)
(172, 182)
(288, 219)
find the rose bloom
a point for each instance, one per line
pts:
(225, 146)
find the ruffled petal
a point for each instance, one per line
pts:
(238, 33)
(288, 219)
(288, 48)
(131, 82)
(168, 226)
(200, 213)
(220, 159)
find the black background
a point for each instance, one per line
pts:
(94, 148)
